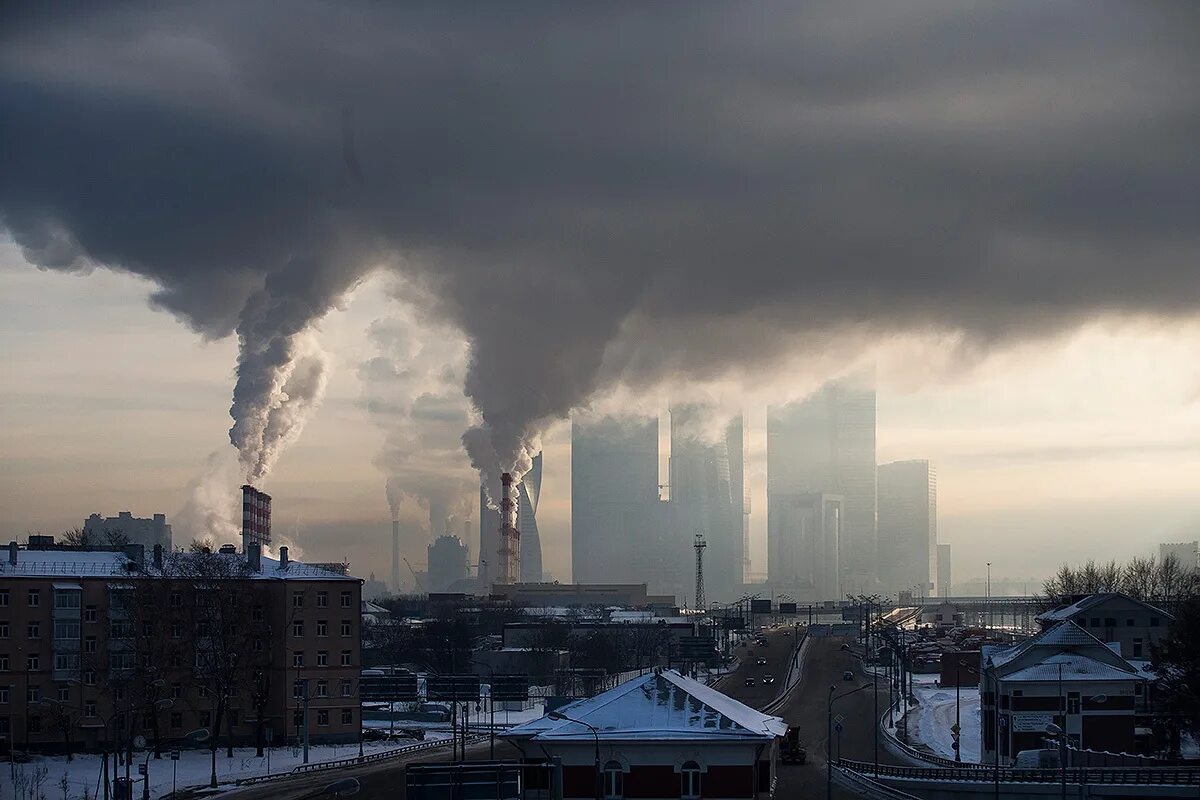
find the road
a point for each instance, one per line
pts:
(823, 667)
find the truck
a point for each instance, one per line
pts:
(792, 752)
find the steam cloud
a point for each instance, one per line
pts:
(608, 195)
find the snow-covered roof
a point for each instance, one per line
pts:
(664, 705)
(1091, 601)
(106, 563)
(1075, 667)
(1064, 635)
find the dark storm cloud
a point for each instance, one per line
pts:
(598, 193)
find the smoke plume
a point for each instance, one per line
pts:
(609, 195)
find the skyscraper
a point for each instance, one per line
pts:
(528, 494)
(945, 583)
(803, 545)
(908, 525)
(704, 497)
(825, 444)
(616, 518)
(737, 445)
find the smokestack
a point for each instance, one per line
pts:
(256, 517)
(510, 538)
(283, 558)
(12, 553)
(396, 555)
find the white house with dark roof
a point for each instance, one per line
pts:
(661, 735)
(1065, 676)
(1114, 617)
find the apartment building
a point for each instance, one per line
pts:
(97, 646)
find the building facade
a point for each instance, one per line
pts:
(826, 444)
(447, 560)
(1186, 553)
(908, 526)
(803, 545)
(945, 578)
(1116, 618)
(134, 530)
(102, 645)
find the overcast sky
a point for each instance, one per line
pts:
(305, 235)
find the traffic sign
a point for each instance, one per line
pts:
(954, 744)
(837, 726)
(839, 719)
(954, 728)
(141, 769)
(174, 755)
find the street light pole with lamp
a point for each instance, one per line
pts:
(829, 735)
(559, 717)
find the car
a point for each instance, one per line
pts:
(847, 675)
(787, 632)
(768, 680)
(762, 661)
(751, 682)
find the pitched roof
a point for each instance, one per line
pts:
(1064, 635)
(1075, 667)
(1091, 601)
(665, 705)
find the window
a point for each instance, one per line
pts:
(322, 658)
(297, 599)
(347, 716)
(298, 719)
(89, 708)
(298, 628)
(1129, 622)
(1072, 702)
(322, 599)
(258, 645)
(1154, 622)
(5, 693)
(176, 630)
(122, 661)
(204, 718)
(1137, 648)
(64, 662)
(148, 720)
(322, 627)
(347, 599)
(346, 627)
(176, 720)
(202, 691)
(35, 724)
(612, 780)
(33, 694)
(4, 662)
(345, 658)
(33, 663)
(1095, 622)
(323, 718)
(233, 716)
(89, 614)
(3, 598)
(66, 630)
(89, 644)
(689, 779)
(203, 628)
(67, 598)
(257, 614)
(35, 598)
(34, 630)
(298, 689)
(322, 688)
(120, 629)
(175, 660)
(1109, 622)
(176, 599)
(298, 658)
(3, 630)
(89, 678)
(347, 689)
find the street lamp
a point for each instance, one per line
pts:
(198, 735)
(560, 717)
(829, 735)
(1056, 732)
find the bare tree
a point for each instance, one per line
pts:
(76, 537)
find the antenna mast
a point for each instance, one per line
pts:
(699, 546)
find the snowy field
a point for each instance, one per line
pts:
(82, 774)
(929, 723)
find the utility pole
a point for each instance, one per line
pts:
(699, 546)
(304, 702)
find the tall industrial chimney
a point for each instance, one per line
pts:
(256, 517)
(510, 538)
(396, 555)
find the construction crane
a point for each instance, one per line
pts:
(416, 578)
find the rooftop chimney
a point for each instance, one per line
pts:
(283, 559)
(158, 556)
(396, 555)
(12, 553)
(510, 538)
(254, 556)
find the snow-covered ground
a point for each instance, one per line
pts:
(82, 774)
(929, 723)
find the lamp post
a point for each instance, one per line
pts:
(198, 735)
(555, 715)
(957, 714)
(1060, 734)
(829, 735)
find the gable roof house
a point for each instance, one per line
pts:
(1114, 617)
(661, 735)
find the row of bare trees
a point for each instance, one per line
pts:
(1163, 580)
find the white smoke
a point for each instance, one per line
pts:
(212, 509)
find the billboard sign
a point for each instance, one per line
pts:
(787, 608)
(510, 687)
(760, 606)
(387, 688)
(452, 687)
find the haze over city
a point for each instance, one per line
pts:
(403, 240)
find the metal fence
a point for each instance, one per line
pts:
(356, 760)
(1149, 776)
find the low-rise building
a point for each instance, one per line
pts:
(625, 595)
(1114, 617)
(134, 530)
(1065, 676)
(104, 644)
(659, 736)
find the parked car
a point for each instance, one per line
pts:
(751, 682)
(847, 675)
(768, 679)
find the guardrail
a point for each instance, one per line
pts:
(862, 786)
(920, 755)
(1149, 776)
(355, 761)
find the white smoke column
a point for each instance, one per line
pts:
(212, 509)
(279, 386)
